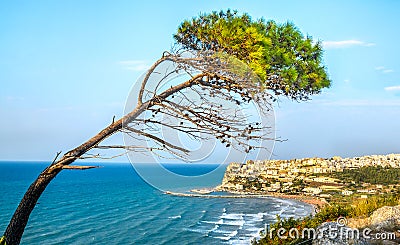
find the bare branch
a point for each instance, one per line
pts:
(74, 167)
(193, 107)
(55, 158)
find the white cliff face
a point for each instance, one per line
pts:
(231, 172)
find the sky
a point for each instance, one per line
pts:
(66, 68)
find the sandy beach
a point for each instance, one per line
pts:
(317, 203)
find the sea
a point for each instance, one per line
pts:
(115, 205)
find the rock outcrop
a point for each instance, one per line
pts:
(386, 219)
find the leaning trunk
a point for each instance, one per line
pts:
(20, 218)
(16, 227)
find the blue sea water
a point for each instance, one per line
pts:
(113, 205)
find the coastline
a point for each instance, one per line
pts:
(311, 204)
(315, 202)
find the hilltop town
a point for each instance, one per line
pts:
(320, 177)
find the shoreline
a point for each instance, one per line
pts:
(316, 203)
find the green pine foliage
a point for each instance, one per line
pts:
(288, 62)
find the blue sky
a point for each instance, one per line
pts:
(66, 67)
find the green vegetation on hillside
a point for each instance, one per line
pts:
(329, 213)
(371, 174)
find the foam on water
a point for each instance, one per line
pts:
(175, 217)
(112, 205)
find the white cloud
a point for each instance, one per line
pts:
(346, 80)
(362, 103)
(393, 88)
(134, 65)
(345, 44)
(383, 69)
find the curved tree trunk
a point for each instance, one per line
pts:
(19, 220)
